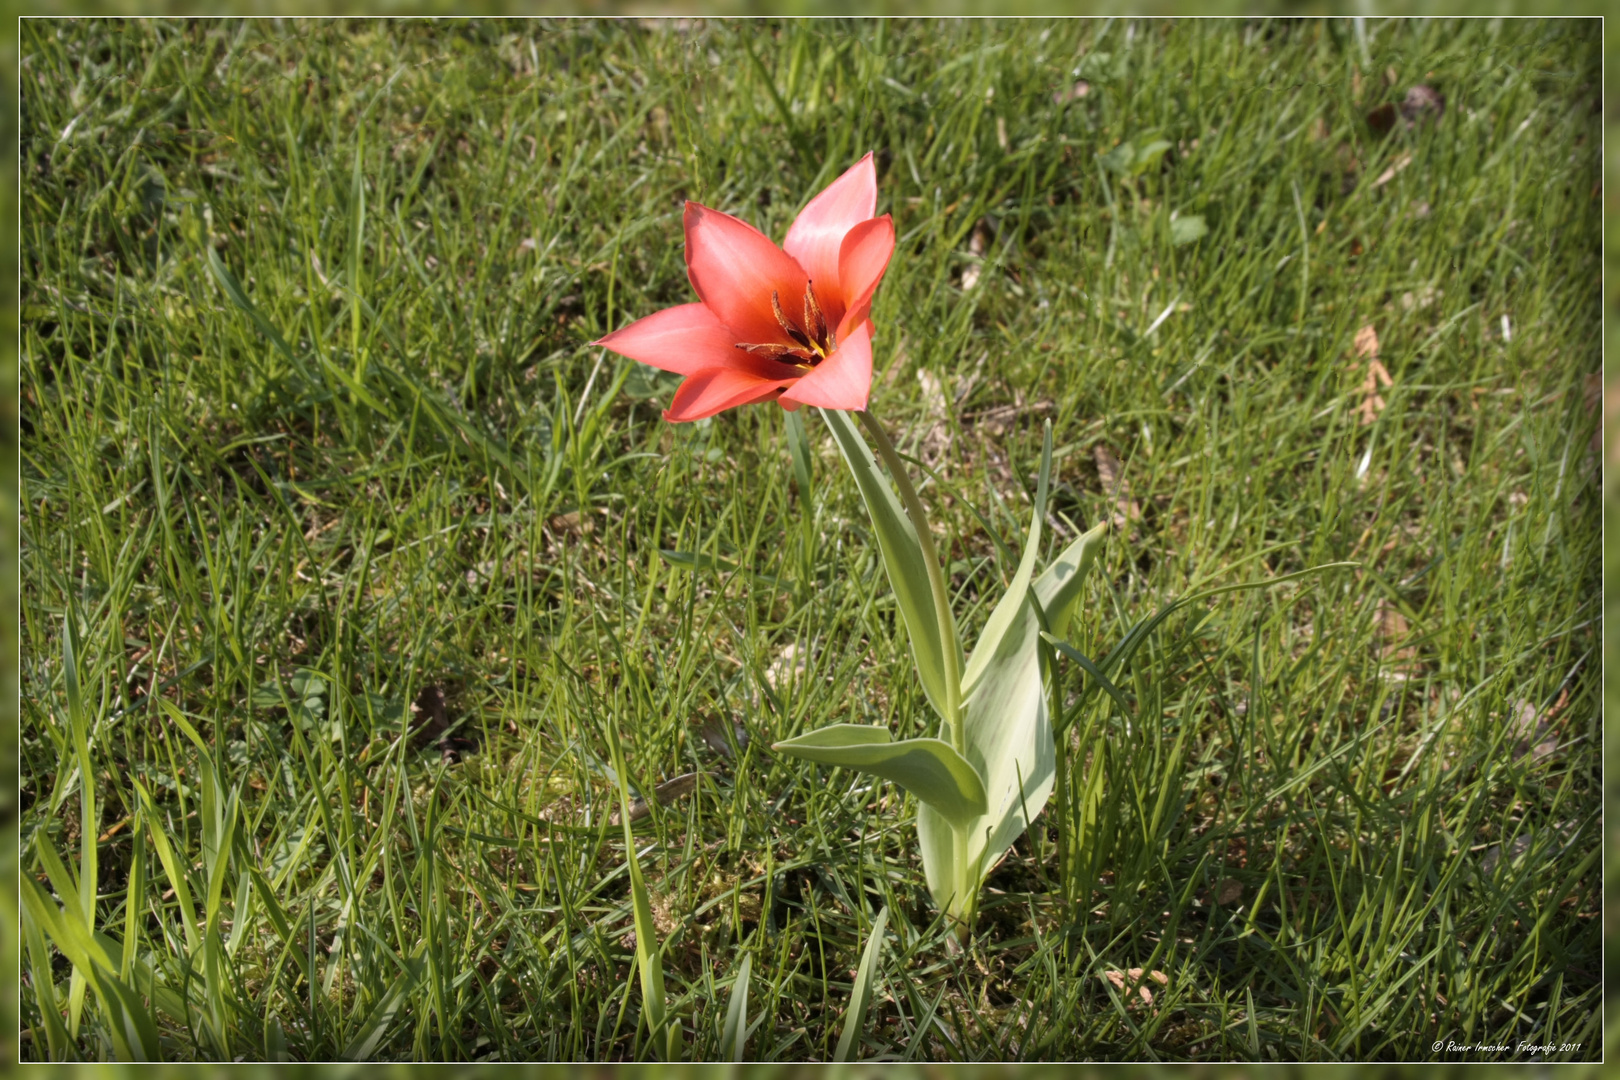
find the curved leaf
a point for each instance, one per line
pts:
(1005, 715)
(1015, 601)
(928, 768)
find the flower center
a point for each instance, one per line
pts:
(813, 340)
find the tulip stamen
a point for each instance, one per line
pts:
(813, 342)
(774, 351)
(814, 321)
(792, 331)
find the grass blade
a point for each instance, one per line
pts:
(861, 995)
(57, 1041)
(663, 1031)
(734, 1036)
(88, 817)
(376, 1024)
(129, 1025)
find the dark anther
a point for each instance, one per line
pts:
(792, 331)
(814, 321)
(773, 351)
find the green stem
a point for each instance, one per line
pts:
(961, 904)
(936, 579)
(964, 887)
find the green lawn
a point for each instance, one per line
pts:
(311, 431)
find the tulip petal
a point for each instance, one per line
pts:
(843, 380)
(714, 390)
(862, 259)
(816, 235)
(683, 339)
(735, 268)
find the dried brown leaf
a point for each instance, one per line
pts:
(1366, 343)
(1394, 169)
(1136, 979)
(1365, 348)
(1533, 730)
(1392, 633)
(663, 794)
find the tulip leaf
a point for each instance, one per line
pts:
(1016, 601)
(1006, 719)
(928, 768)
(903, 558)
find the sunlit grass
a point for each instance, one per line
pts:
(1340, 819)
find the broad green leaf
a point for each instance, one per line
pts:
(861, 995)
(930, 769)
(1119, 159)
(734, 1036)
(902, 557)
(1058, 587)
(1007, 722)
(1187, 228)
(1148, 156)
(937, 840)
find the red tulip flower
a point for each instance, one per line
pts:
(788, 324)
